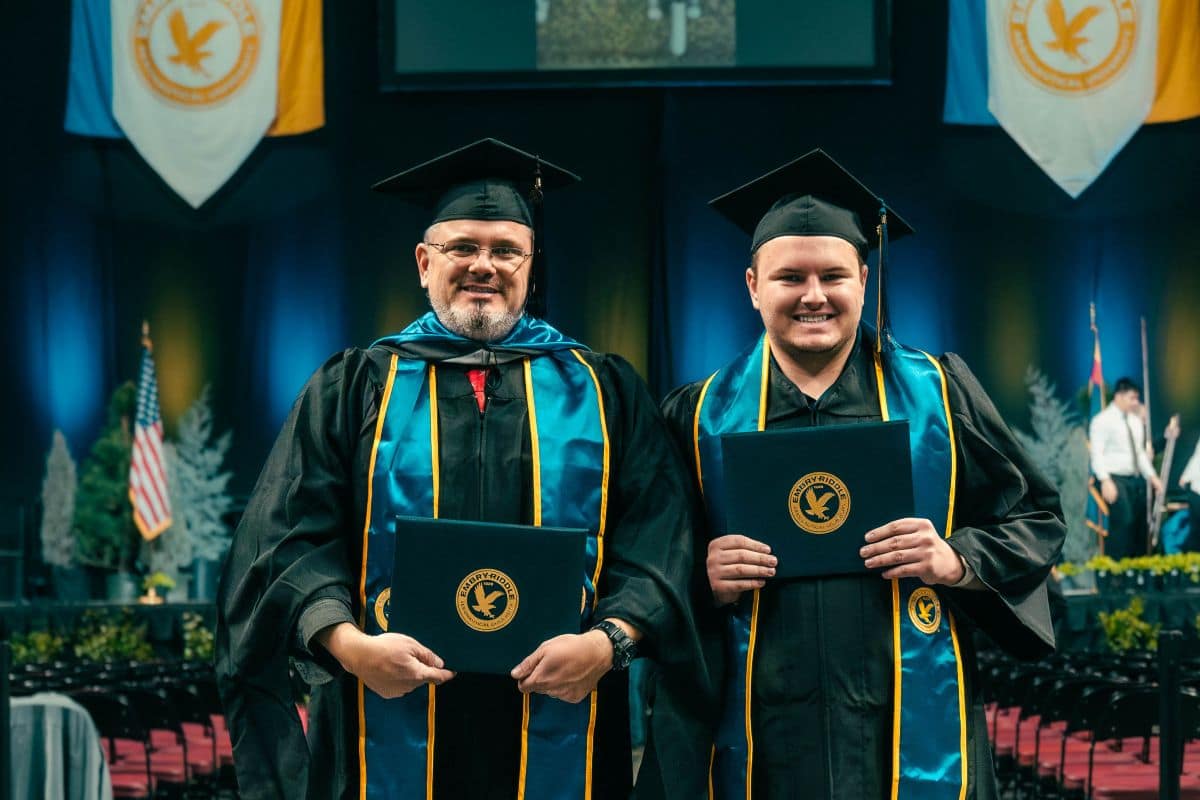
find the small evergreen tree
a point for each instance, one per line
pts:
(105, 535)
(199, 493)
(58, 504)
(1058, 446)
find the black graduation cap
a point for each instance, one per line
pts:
(815, 196)
(487, 180)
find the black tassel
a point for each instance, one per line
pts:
(883, 324)
(536, 304)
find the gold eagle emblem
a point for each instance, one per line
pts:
(1067, 38)
(819, 502)
(189, 47)
(818, 506)
(925, 610)
(484, 610)
(485, 604)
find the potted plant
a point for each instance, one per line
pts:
(58, 514)
(1173, 571)
(1068, 573)
(199, 497)
(152, 583)
(1190, 568)
(1105, 568)
(105, 535)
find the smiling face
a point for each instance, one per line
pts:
(476, 298)
(809, 291)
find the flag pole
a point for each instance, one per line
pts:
(1146, 388)
(1148, 443)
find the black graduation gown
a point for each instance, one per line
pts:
(822, 687)
(299, 542)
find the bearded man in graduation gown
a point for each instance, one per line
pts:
(854, 686)
(475, 411)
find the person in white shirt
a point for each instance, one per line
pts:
(1117, 439)
(1190, 480)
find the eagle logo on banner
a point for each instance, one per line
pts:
(195, 85)
(1071, 81)
(1075, 52)
(196, 53)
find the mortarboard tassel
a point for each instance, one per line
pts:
(536, 304)
(883, 325)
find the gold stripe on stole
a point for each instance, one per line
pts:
(535, 458)
(962, 712)
(593, 700)
(603, 478)
(362, 581)
(712, 756)
(962, 690)
(896, 653)
(696, 432)
(764, 383)
(431, 713)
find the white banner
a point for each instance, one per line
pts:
(194, 85)
(1071, 80)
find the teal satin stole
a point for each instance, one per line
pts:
(570, 455)
(929, 714)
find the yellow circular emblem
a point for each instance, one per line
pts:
(381, 608)
(1072, 47)
(925, 609)
(487, 600)
(196, 52)
(819, 502)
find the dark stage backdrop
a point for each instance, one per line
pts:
(295, 258)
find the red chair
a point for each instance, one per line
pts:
(116, 722)
(1135, 713)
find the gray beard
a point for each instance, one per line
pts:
(477, 323)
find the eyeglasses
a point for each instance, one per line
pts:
(504, 256)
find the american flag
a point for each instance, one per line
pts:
(147, 471)
(1097, 509)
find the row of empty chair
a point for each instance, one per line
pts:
(1088, 726)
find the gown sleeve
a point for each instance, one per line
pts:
(649, 557)
(290, 552)
(686, 701)
(1008, 523)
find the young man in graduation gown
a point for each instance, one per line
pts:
(475, 411)
(855, 686)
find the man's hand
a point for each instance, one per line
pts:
(1184, 483)
(737, 564)
(567, 667)
(390, 664)
(1108, 490)
(911, 548)
(1156, 483)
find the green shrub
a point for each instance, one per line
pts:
(197, 638)
(1124, 628)
(102, 637)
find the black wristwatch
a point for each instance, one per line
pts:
(624, 648)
